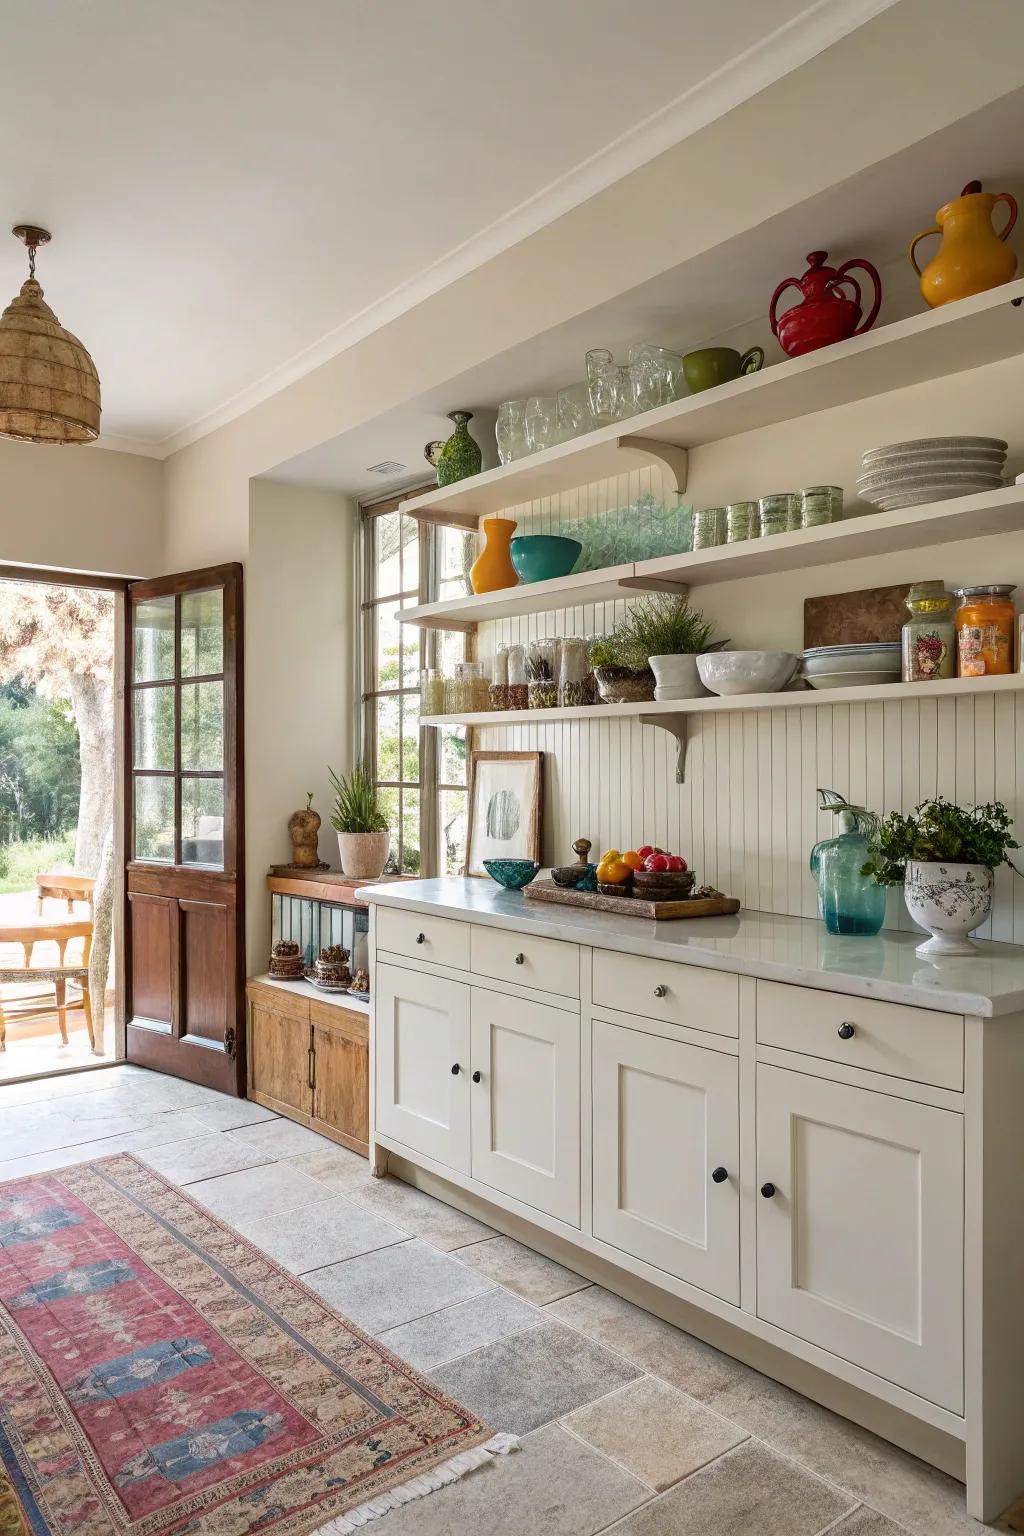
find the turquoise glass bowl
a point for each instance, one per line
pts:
(513, 874)
(543, 556)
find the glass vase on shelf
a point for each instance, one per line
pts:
(510, 430)
(432, 692)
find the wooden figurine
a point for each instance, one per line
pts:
(304, 831)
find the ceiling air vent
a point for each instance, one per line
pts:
(385, 467)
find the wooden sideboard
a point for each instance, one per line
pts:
(308, 1058)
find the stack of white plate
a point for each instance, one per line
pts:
(852, 666)
(931, 469)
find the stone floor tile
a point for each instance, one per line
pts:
(917, 1496)
(420, 1214)
(334, 1166)
(653, 1431)
(184, 1162)
(280, 1138)
(260, 1191)
(230, 1115)
(519, 1383)
(394, 1285)
(747, 1492)
(458, 1330)
(865, 1522)
(520, 1269)
(554, 1486)
(317, 1235)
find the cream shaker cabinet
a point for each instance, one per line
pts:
(666, 1155)
(860, 1228)
(422, 1034)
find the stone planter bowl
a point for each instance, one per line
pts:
(363, 854)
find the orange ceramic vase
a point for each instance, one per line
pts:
(493, 569)
(972, 256)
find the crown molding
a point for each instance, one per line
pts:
(142, 447)
(787, 48)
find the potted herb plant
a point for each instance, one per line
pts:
(665, 634)
(616, 682)
(943, 855)
(362, 827)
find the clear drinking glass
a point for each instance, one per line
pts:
(574, 412)
(541, 423)
(510, 430)
(611, 387)
(656, 375)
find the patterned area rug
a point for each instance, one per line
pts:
(159, 1376)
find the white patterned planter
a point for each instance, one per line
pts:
(950, 900)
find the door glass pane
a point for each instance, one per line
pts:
(154, 819)
(202, 633)
(410, 738)
(387, 739)
(202, 726)
(154, 639)
(202, 822)
(153, 719)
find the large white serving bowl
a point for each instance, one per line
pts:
(729, 672)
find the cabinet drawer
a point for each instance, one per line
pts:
(547, 964)
(424, 938)
(665, 990)
(916, 1043)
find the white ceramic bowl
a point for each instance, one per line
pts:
(882, 658)
(729, 672)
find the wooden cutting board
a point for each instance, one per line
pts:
(633, 906)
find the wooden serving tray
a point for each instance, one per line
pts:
(633, 906)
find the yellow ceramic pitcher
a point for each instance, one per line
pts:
(972, 256)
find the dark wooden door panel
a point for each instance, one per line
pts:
(152, 919)
(207, 980)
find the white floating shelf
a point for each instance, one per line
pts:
(877, 533)
(966, 334)
(797, 698)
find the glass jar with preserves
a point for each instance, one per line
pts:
(985, 621)
(929, 635)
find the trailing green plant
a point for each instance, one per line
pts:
(661, 626)
(939, 832)
(603, 653)
(356, 806)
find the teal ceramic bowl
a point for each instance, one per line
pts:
(542, 556)
(513, 874)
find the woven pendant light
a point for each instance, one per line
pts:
(49, 387)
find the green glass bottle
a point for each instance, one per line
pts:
(460, 457)
(849, 902)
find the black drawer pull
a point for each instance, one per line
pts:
(520, 959)
(661, 990)
(456, 1070)
(846, 1031)
(477, 1076)
(767, 1190)
(421, 938)
(719, 1175)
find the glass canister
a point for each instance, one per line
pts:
(741, 522)
(777, 512)
(518, 688)
(432, 692)
(929, 635)
(709, 527)
(820, 504)
(985, 621)
(574, 688)
(541, 669)
(497, 693)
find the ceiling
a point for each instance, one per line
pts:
(240, 189)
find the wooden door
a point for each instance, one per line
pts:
(421, 1035)
(666, 1155)
(279, 1051)
(860, 1228)
(184, 836)
(525, 1102)
(341, 1104)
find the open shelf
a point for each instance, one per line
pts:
(797, 698)
(966, 334)
(874, 533)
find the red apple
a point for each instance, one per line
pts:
(656, 862)
(646, 851)
(675, 863)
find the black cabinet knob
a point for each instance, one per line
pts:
(846, 1031)
(520, 959)
(660, 990)
(719, 1175)
(456, 1070)
(421, 938)
(767, 1190)
(477, 1076)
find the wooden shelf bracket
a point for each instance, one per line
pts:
(675, 724)
(674, 460)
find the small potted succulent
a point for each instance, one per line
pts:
(665, 634)
(618, 683)
(361, 825)
(943, 855)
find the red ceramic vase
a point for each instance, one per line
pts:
(826, 311)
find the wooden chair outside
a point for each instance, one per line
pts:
(61, 885)
(28, 935)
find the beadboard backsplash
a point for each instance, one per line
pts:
(746, 816)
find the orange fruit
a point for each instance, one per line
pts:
(633, 859)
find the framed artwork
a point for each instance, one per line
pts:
(504, 807)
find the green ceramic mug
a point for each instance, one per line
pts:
(717, 365)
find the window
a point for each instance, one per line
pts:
(420, 773)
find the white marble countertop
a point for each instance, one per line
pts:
(306, 989)
(765, 944)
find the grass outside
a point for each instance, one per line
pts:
(21, 862)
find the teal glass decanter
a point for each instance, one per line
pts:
(849, 902)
